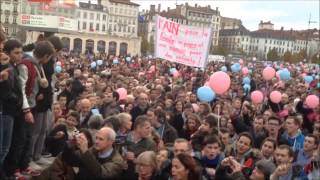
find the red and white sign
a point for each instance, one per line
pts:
(183, 44)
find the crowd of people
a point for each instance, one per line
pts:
(131, 117)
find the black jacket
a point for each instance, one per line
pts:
(10, 93)
(45, 104)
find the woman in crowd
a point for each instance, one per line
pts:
(184, 167)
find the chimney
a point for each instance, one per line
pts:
(217, 8)
(281, 28)
(168, 9)
(159, 7)
(152, 8)
(209, 6)
(261, 22)
(186, 4)
(196, 5)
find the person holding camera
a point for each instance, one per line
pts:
(98, 162)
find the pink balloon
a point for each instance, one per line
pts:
(58, 63)
(257, 97)
(303, 75)
(275, 96)
(241, 61)
(219, 82)
(312, 101)
(245, 71)
(268, 73)
(122, 93)
(195, 107)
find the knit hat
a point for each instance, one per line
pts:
(266, 167)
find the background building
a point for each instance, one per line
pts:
(9, 12)
(238, 40)
(194, 16)
(110, 26)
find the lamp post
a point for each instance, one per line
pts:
(307, 38)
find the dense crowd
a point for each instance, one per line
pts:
(130, 117)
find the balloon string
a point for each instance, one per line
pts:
(218, 118)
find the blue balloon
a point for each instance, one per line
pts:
(205, 94)
(224, 69)
(308, 79)
(318, 85)
(93, 65)
(115, 61)
(235, 68)
(173, 70)
(317, 77)
(58, 69)
(99, 62)
(285, 75)
(246, 80)
(246, 88)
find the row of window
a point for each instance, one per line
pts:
(92, 16)
(118, 28)
(14, 19)
(122, 20)
(123, 11)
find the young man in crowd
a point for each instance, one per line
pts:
(293, 135)
(284, 157)
(10, 94)
(29, 81)
(211, 156)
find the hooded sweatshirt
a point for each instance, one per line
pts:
(296, 142)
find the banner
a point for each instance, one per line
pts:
(183, 44)
(46, 21)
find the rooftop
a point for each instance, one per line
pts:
(124, 2)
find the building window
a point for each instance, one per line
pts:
(133, 29)
(98, 17)
(134, 22)
(14, 30)
(128, 29)
(84, 25)
(111, 10)
(91, 27)
(119, 28)
(120, 10)
(97, 27)
(14, 20)
(78, 14)
(116, 10)
(114, 28)
(103, 27)
(85, 15)
(124, 29)
(6, 19)
(6, 30)
(15, 7)
(91, 16)
(104, 17)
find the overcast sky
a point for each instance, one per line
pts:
(287, 13)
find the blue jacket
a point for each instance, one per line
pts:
(295, 142)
